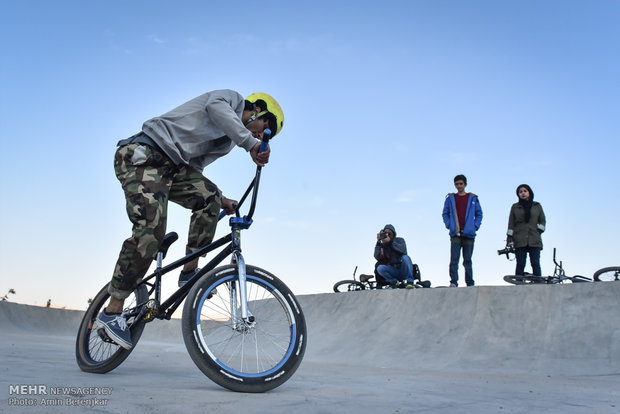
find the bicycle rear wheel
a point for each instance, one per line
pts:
(523, 280)
(246, 356)
(94, 351)
(607, 274)
(348, 286)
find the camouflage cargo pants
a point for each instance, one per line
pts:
(150, 179)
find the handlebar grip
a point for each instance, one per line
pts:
(223, 213)
(265, 143)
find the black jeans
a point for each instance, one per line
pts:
(521, 255)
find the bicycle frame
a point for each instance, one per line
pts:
(154, 308)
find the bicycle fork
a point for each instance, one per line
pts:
(241, 315)
(242, 319)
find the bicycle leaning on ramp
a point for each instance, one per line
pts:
(365, 282)
(605, 274)
(559, 274)
(242, 326)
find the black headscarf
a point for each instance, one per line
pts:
(526, 204)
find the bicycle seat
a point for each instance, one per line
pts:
(167, 242)
(365, 278)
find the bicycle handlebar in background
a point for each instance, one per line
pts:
(554, 261)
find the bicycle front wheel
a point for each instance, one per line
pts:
(348, 286)
(94, 351)
(607, 274)
(253, 355)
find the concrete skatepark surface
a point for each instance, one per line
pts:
(495, 349)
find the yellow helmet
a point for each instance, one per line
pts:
(272, 107)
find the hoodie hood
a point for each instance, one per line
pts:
(391, 228)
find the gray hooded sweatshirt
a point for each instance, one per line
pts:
(202, 130)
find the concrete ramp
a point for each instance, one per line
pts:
(15, 317)
(519, 349)
(569, 329)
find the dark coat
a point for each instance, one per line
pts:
(526, 234)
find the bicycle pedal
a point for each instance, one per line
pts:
(150, 310)
(104, 336)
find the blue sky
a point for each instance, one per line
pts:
(384, 104)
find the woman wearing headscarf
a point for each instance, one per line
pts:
(525, 226)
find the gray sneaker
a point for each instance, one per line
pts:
(116, 327)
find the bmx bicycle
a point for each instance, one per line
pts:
(559, 275)
(242, 326)
(365, 282)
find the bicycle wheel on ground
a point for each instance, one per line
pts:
(523, 279)
(348, 286)
(94, 351)
(246, 356)
(607, 274)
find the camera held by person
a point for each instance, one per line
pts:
(509, 249)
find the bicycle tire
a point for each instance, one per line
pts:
(244, 358)
(96, 355)
(523, 280)
(348, 286)
(607, 274)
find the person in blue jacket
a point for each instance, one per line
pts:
(462, 216)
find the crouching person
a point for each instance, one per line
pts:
(394, 267)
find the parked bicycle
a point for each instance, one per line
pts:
(242, 326)
(559, 275)
(366, 283)
(607, 274)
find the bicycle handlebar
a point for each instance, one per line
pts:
(254, 184)
(265, 142)
(554, 260)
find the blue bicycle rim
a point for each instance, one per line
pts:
(293, 329)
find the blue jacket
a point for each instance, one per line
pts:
(473, 216)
